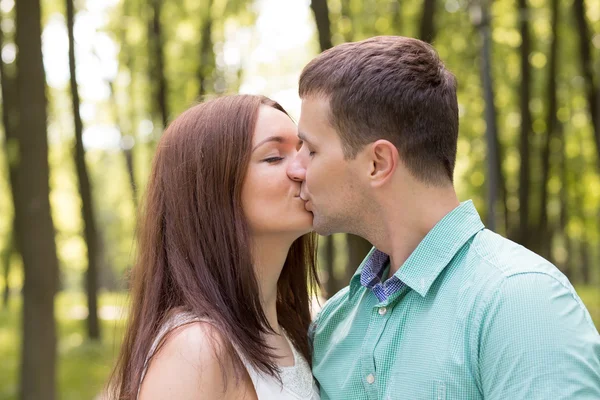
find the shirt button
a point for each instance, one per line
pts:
(382, 311)
(370, 379)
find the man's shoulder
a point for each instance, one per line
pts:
(511, 277)
(496, 255)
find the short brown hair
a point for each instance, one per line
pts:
(393, 88)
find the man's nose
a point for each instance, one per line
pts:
(296, 170)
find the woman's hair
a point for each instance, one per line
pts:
(195, 247)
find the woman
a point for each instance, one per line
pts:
(226, 265)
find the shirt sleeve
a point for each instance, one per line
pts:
(537, 341)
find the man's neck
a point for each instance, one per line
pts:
(405, 220)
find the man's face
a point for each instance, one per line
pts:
(331, 185)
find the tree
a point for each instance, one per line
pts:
(85, 190)
(563, 220)
(127, 143)
(128, 136)
(9, 120)
(551, 130)
(585, 59)
(206, 67)
(357, 246)
(331, 283)
(525, 97)
(427, 27)
(321, 12)
(6, 256)
(34, 226)
(357, 251)
(396, 8)
(158, 80)
(482, 20)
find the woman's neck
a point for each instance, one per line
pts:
(269, 255)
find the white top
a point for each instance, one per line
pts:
(296, 381)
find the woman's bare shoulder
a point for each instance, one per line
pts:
(192, 363)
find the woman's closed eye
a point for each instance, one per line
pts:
(273, 160)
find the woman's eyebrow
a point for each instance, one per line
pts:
(277, 139)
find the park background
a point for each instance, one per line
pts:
(88, 86)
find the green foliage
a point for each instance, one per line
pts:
(590, 295)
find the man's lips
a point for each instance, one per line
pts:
(307, 206)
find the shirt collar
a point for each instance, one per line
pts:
(434, 252)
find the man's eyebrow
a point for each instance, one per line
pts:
(303, 137)
(277, 139)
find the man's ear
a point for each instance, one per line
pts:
(384, 159)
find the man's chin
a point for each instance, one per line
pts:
(320, 226)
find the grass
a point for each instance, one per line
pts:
(84, 366)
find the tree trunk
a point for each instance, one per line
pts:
(127, 143)
(525, 97)
(580, 192)
(89, 222)
(157, 63)
(321, 12)
(563, 221)
(494, 166)
(584, 248)
(427, 27)
(206, 67)
(396, 16)
(358, 248)
(551, 126)
(106, 275)
(6, 261)
(9, 120)
(587, 69)
(128, 140)
(35, 229)
(331, 285)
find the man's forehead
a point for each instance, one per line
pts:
(318, 104)
(314, 118)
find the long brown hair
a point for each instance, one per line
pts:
(194, 244)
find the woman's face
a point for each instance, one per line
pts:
(271, 200)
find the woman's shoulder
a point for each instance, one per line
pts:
(192, 362)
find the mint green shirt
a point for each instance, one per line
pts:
(479, 317)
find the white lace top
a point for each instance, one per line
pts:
(296, 381)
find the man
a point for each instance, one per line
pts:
(441, 308)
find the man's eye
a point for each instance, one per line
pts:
(311, 153)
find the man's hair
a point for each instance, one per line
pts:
(393, 88)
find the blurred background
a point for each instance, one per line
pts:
(89, 85)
